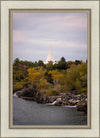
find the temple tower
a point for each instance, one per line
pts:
(50, 56)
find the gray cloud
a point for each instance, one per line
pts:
(34, 32)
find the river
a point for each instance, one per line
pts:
(27, 112)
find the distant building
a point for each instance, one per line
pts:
(50, 57)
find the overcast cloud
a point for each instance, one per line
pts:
(65, 32)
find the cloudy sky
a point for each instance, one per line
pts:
(65, 32)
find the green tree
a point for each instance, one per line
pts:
(16, 61)
(62, 63)
(77, 62)
(40, 63)
(49, 67)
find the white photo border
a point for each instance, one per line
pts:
(94, 131)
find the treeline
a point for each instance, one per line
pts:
(50, 79)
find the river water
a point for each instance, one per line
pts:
(27, 112)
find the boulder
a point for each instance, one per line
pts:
(70, 98)
(58, 102)
(25, 93)
(82, 106)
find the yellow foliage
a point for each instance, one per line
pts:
(43, 83)
(51, 92)
(56, 75)
(81, 73)
(18, 86)
(35, 75)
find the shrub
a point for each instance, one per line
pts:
(18, 86)
(83, 90)
(78, 86)
(63, 89)
(51, 92)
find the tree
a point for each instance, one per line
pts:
(35, 64)
(40, 63)
(62, 63)
(48, 77)
(69, 63)
(43, 84)
(18, 75)
(55, 66)
(63, 59)
(49, 67)
(34, 75)
(16, 61)
(50, 63)
(76, 77)
(77, 62)
(56, 75)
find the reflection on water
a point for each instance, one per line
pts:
(27, 112)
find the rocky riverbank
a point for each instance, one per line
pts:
(70, 99)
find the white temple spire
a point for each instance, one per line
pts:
(50, 56)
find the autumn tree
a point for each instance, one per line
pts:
(56, 75)
(48, 77)
(74, 77)
(69, 63)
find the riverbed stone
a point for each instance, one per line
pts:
(70, 98)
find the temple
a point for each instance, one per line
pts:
(50, 57)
